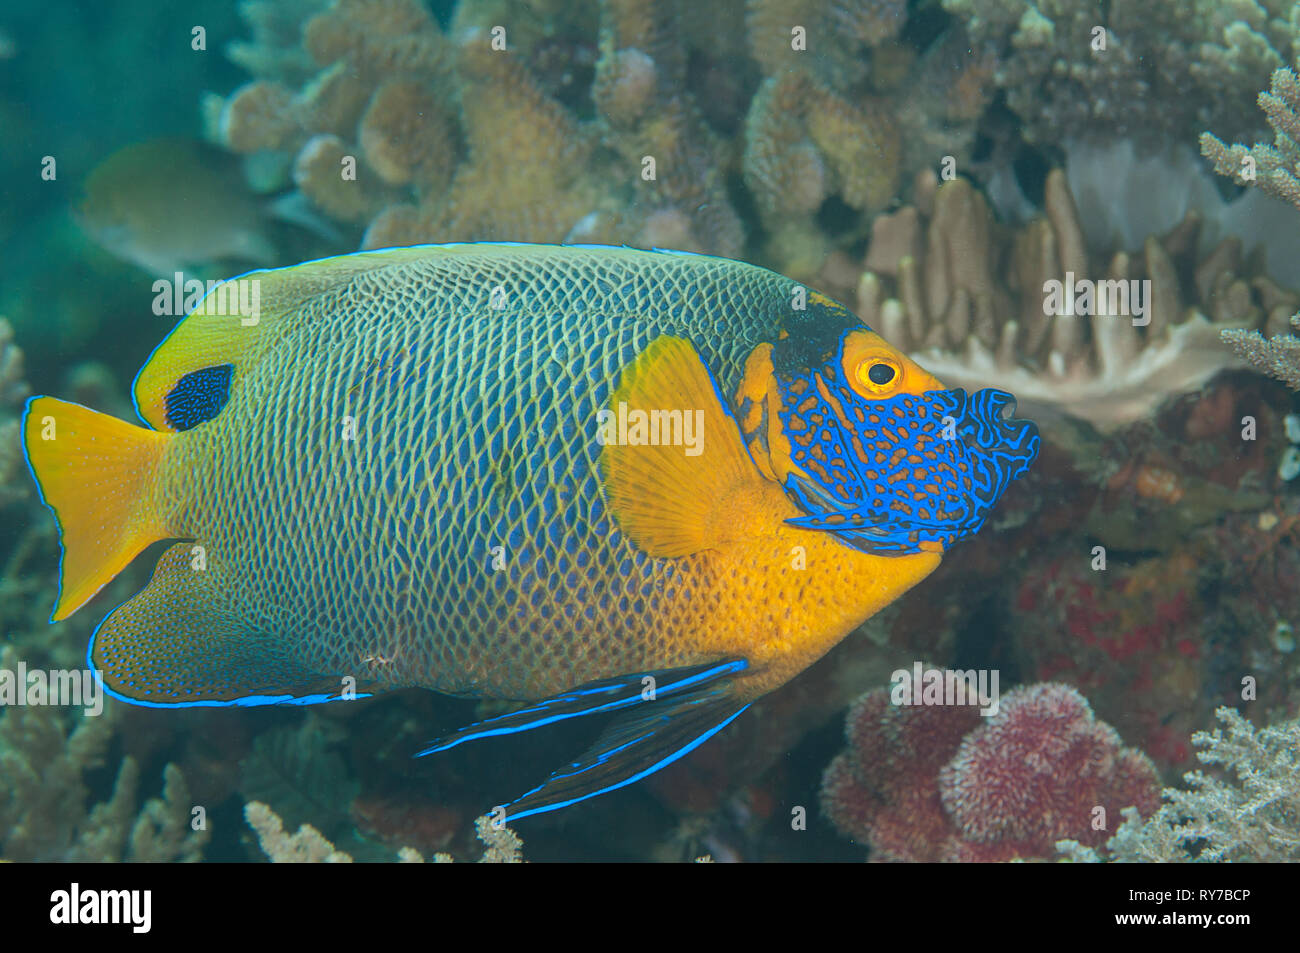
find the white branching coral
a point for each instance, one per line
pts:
(309, 846)
(972, 301)
(306, 846)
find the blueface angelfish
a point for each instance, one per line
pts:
(554, 474)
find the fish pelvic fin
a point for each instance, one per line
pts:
(661, 717)
(674, 497)
(99, 476)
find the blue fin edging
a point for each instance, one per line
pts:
(690, 706)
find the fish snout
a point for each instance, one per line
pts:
(992, 426)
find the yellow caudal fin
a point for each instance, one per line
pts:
(98, 475)
(685, 483)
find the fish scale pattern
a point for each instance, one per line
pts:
(404, 487)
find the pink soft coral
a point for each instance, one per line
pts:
(933, 783)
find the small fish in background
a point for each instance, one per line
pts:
(598, 480)
(175, 205)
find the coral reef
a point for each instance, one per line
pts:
(1127, 637)
(839, 34)
(13, 388)
(805, 161)
(308, 846)
(381, 68)
(600, 123)
(968, 299)
(1166, 68)
(459, 139)
(941, 783)
(804, 143)
(46, 809)
(1252, 816)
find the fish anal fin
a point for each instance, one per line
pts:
(673, 498)
(177, 643)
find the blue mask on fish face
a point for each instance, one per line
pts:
(902, 473)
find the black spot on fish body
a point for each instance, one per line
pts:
(198, 396)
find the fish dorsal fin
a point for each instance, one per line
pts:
(216, 332)
(671, 498)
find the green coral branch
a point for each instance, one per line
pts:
(1274, 168)
(1252, 817)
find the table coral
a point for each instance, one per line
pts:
(966, 296)
(942, 783)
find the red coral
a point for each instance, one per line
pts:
(1129, 637)
(942, 783)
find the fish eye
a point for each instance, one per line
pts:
(879, 374)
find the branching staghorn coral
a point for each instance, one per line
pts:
(966, 297)
(1277, 356)
(1275, 169)
(1167, 68)
(1252, 817)
(309, 846)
